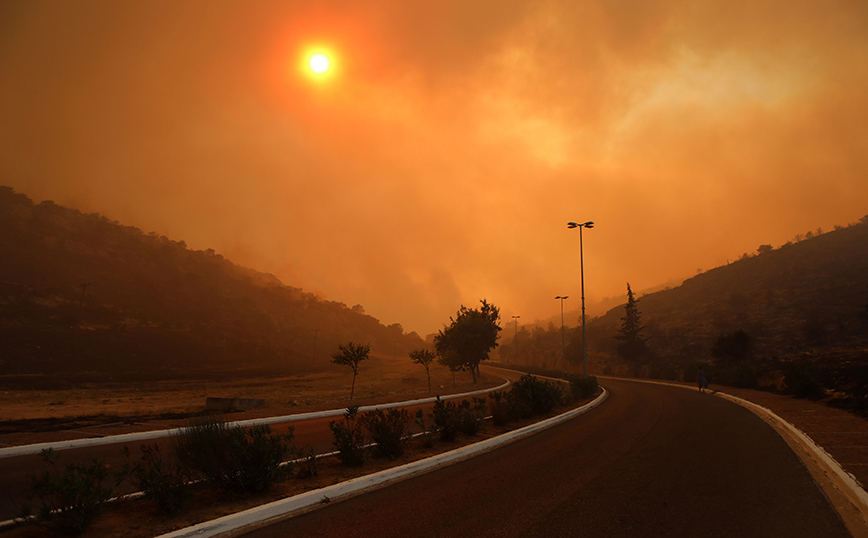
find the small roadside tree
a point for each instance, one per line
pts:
(471, 336)
(631, 344)
(351, 355)
(425, 358)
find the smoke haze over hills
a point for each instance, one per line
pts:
(441, 162)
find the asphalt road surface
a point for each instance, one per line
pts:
(651, 461)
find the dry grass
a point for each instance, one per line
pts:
(379, 378)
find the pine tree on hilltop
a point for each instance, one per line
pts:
(631, 345)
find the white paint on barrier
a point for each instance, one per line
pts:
(306, 501)
(21, 450)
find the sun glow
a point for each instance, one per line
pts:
(319, 63)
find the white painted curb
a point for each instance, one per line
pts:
(306, 501)
(142, 436)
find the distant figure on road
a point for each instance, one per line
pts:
(701, 381)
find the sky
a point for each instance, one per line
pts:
(439, 160)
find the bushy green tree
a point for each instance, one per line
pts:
(351, 355)
(471, 336)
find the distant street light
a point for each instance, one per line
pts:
(563, 340)
(515, 319)
(589, 224)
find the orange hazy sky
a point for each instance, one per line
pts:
(442, 157)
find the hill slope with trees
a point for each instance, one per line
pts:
(81, 294)
(793, 318)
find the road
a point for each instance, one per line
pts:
(652, 461)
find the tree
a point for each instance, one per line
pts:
(351, 355)
(470, 337)
(425, 358)
(631, 344)
(453, 361)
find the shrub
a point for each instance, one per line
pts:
(69, 500)
(534, 396)
(583, 387)
(349, 438)
(741, 375)
(427, 433)
(447, 418)
(500, 412)
(236, 459)
(471, 415)
(801, 380)
(309, 467)
(161, 481)
(387, 430)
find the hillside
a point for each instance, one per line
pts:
(86, 296)
(803, 306)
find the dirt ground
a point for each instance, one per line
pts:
(31, 416)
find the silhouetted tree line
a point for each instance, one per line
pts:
(153, 307)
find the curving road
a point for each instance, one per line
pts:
(651, 461)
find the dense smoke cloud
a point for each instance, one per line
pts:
(441, 162)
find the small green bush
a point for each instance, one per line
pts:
(500, 412)
(742, 375)
(532, 396)
(583, 387)
(447, 418)
(387, 430)
(801, 379)
(472, 415)
(309, 466)
(160, 480)
(427, 433)
(349, 438)
(236, 459)
(70, 499)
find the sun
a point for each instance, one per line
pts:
(319, 63)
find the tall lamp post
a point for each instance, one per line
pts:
(589, 224)
(563, 340)
(515, 338)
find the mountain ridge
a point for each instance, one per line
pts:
(80, 292)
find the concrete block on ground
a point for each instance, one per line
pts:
(225, 405)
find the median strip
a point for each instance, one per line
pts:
(298, 504)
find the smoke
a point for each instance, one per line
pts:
(441, 162)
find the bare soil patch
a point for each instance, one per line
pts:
(99, 409)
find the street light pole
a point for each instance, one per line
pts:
(589, 224)
(563, 339)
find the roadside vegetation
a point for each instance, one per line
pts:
(210, 458)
